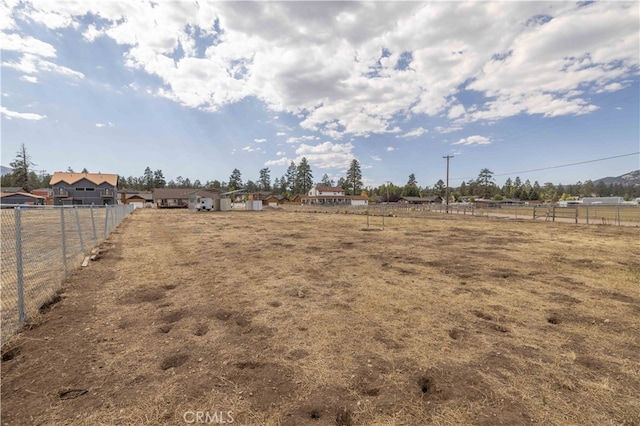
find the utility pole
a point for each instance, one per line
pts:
(388, 183)
(447, 202)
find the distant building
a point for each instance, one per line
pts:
(587, 201)
(179, 197)
(84, 188)
(20, 198)
(332, 195)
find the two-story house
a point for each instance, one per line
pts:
(332, 195)
(84, 188)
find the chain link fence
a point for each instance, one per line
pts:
(40, 246)
(616, 215)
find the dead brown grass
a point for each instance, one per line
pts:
(291, 319)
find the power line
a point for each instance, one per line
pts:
(557, 167)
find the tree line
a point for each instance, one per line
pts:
(298, 179)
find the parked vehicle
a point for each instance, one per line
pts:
(204, 204)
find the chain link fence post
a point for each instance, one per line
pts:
(75, 209)
(64, 243)
(19, 266)
(106, 221)
(93, 224)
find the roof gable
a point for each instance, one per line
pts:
(95, 178)
(322, 188)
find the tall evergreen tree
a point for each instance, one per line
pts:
(304, 177)
(292, 173)
(440, 188)
(354, 177)
(265, 179)
(235, 180)
(158, 179)
(147, 179)
(20, 168)
(326, 181)
(411, 188)
(485, 178)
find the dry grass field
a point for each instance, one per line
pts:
(283, 318)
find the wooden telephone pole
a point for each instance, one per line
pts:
(447, 202)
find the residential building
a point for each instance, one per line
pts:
(84, 188)
(332, 195)
(179, 197)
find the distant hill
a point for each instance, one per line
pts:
(631, 178)
(4, 170)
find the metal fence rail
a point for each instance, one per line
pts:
(40, 246)
(618, 215)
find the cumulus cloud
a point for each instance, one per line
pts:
(350, 68)
(107, 124)
(473, 140)
(13, 42)
(450, 129)
(31, 64)
(23, 115)
(29, 78)
(390, 148)
(419, 131)
(326, 155)
(259, 140)
(299, 139)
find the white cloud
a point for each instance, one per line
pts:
(351, 68)
(390, 148)
(326, 155)
(450, 129)
(259, 140)
(29, 78)
(419, 131)
(279, 162)
(473, 140)
(456, 111)
(301, 139)
(376, 158)
(30, 64)
(16, 43)
(23, 115)
(107, 124)
(281, 153)
(281, 134)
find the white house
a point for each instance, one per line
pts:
(320, 190)
(333, 195)
(587, 201)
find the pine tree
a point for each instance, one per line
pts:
(354, 177)
(21, 167)
(411, 188)
(304, 177)
(235, 180)
(326, 181)
(292, 172)
(147, 179)
(265, 179)
(158, 179)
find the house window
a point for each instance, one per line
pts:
(79, 189)
(89, 189)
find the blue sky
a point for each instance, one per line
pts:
(197, 89)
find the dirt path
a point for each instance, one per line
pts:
(292, 319)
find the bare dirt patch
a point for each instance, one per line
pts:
(286, 318)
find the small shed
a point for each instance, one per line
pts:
(21, 198)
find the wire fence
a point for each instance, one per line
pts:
(40, 246)
(616, 215)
